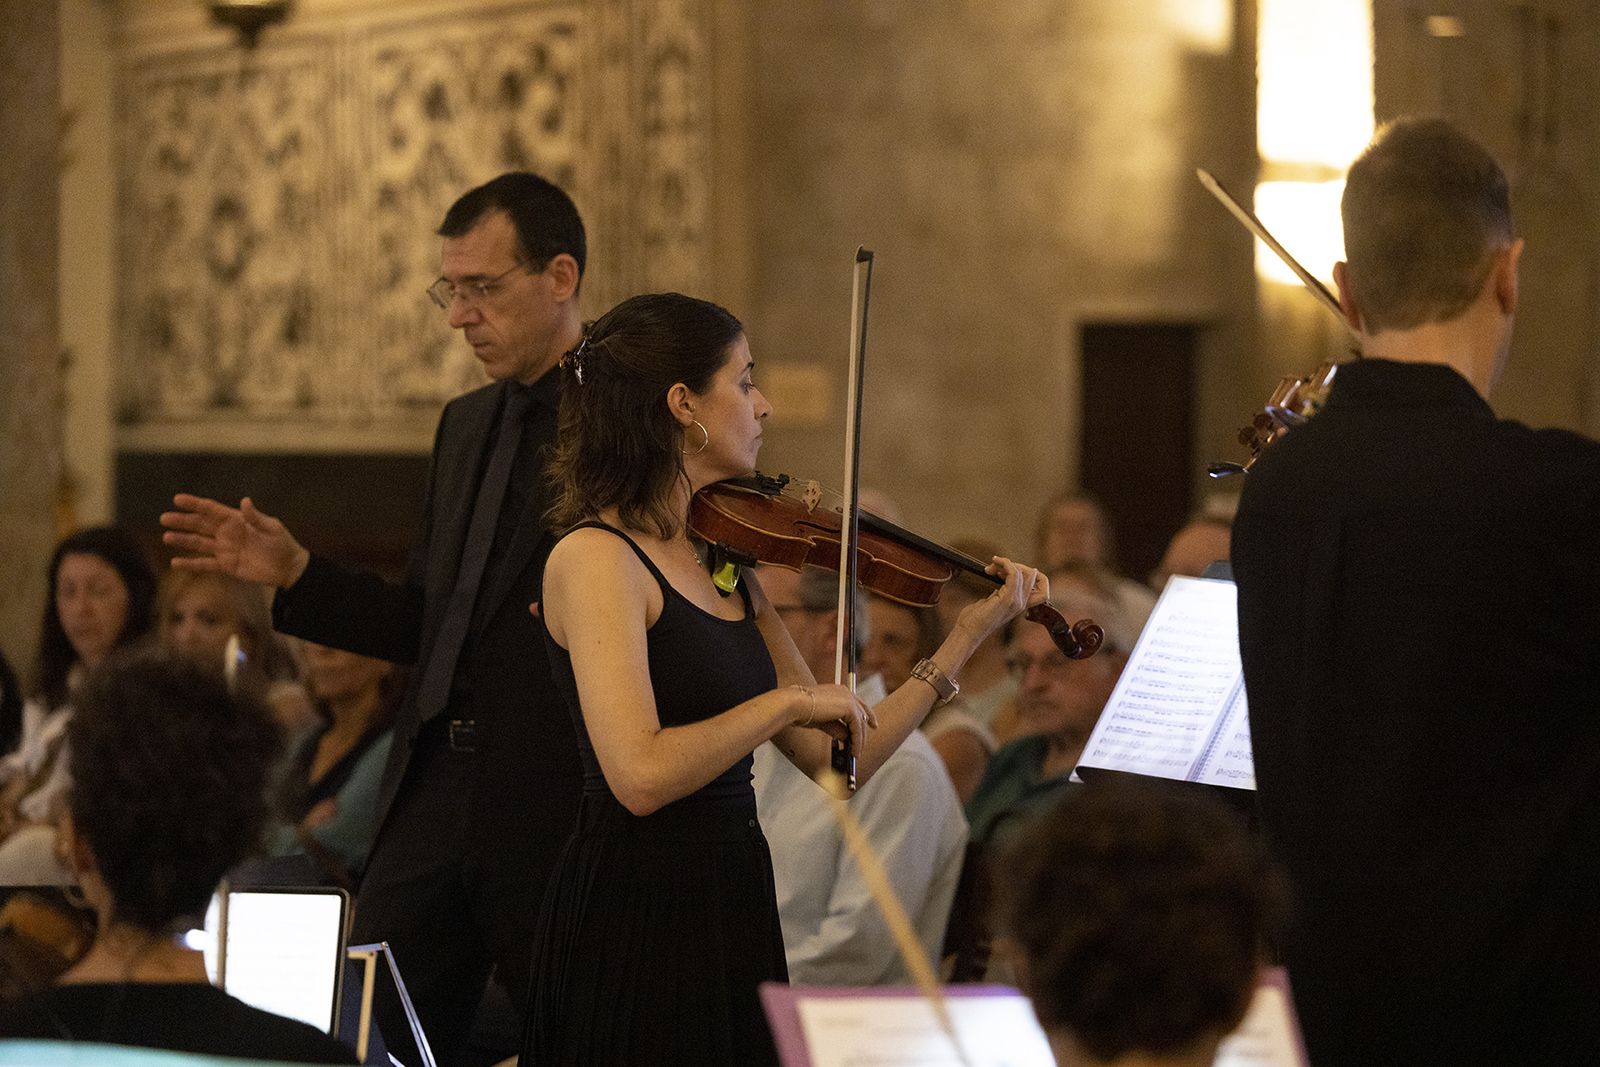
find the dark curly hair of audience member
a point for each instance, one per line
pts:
(1141, 916)
(170, 771)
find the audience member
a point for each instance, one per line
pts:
(1418, 585)
(833, 933)
(100, 594)
(808, 603)
(1138, 920)
(198, 611)
(986, 685)
(1094, 585)
(1201, 541)
(1059, 701)
(1073, 527)
(332, 787)
(148, 835)
(899, 637)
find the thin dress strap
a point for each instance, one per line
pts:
(667, 588)
(596, 524)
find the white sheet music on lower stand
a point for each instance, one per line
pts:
(997, 1031)
(1179, 711)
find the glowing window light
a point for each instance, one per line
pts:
(1204, 25)
(1304, 217)
(1314, 81)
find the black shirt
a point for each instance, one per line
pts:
(1419, 622)
(179, 1017)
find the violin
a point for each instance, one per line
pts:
(1293, 402)
(763, 519)
(1295, 399)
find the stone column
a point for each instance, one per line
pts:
(30, 399)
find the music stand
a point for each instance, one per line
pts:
(368, 955)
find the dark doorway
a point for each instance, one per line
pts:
(364, 510)
(1138, 419)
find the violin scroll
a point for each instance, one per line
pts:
(1293, 402)
(1076, 640)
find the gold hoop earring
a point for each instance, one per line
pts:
(705, 439)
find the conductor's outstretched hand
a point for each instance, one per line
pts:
(241, 541)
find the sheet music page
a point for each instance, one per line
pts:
(1266, 1038)
(1173, 702)
(997, 1031)
(1230, 761)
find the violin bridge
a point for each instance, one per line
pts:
(811, 496)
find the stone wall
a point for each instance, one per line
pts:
(30, 350)
(1523, 79)
(277, 207)
(1018, 168)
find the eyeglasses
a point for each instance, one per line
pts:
(444, 292)
(1052, 665)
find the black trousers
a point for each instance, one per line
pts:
(454, 888)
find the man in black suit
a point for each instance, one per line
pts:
(482, 784)
(1419, 620)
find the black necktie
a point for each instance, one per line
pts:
(433, 693)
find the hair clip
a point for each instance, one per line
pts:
(574, 359)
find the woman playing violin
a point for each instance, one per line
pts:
(660, 919)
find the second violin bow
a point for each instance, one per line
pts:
(1255, 226)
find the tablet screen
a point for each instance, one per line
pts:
(285, 951)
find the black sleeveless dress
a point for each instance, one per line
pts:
(656, 930)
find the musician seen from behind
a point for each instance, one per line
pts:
(1138, 919)
(169, 775)
(1418, 591)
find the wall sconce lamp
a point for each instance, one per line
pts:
(249, 17)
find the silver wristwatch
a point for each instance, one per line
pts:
(944, 687)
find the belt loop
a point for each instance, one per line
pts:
(463, 735)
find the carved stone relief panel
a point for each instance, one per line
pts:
(278, 214)
(229, 272)
(675, 169)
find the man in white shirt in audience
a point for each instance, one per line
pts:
(833, 931)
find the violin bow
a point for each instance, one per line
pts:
(1248, 218)
(842, 782)
(844, 653)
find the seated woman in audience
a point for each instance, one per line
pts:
(899, 636)
(196, 613)
(168, 770)
(100, 594)
(986, 685)
(332, 787)
(1058, 702)
(1137, 920)
(1073, 528)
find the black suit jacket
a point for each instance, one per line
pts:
(529, 774)
(1419, 621)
